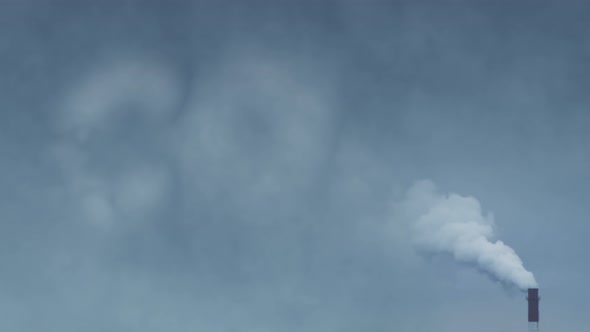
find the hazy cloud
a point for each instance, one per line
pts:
(220, 167)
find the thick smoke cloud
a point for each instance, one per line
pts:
(455, 225)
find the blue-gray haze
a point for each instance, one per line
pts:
(235, 165)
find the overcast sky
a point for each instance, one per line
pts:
(237, 165)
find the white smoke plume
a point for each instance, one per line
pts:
(455, 225)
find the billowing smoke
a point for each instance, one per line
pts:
(454, 224)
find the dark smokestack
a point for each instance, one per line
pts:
(533, 298)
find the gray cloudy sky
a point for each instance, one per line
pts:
(235, 165)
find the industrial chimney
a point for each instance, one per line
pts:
(533, 298)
